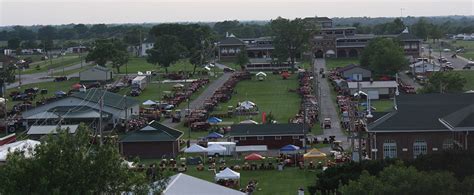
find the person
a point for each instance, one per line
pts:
(301, 191)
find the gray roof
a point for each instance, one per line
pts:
(50, 129)
(374, 84)
(428, 112)
(69, 112)
(266, 129)
(231, 41)
(110, 99)
(180, 184)
(154, 132)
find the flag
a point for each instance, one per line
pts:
(264, 117)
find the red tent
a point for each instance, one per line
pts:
(285, 74)
(254, 156)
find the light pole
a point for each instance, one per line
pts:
(369, 112)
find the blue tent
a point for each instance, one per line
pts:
(289, 148)
(214, 120)
(214, 135)
(60, 93)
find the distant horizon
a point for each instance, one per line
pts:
(63, 12)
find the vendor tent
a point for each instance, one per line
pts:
(227, 173)
(214, 135)
(26, 146)
(195, 149)
(254, 156)
(149, 103)
(214, 120)
(248, 122)
(314, 154)
(215, 148)
(289, 148)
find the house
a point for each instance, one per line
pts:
(411, 44)
(274, 136)
(37, 131)
(153, 141)
(355, 72)
(375, 89)
(423, 124)
(229, 47)
(96, 73)
(184, 184)
(84, 107)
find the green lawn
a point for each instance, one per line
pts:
(332, 63)
(382, 105)
(469, 75)
(270, 182)
(270, 95)
(57, 63)
(468, 48)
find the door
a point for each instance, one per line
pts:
(357, 76)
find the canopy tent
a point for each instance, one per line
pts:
(60, 93)
(215, 148)
(195, 149)
(247, 104)
(149, 103)
(214, 120)
(178, 85)
(26, 146)
(261, 74)
(248, 122)
(289, 148)
(207, 68)
(314, 153)
(227, 173)
(76, 86)
(185, 184)
(254, 156)
(251, 148)
(214, 135)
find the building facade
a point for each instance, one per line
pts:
(274, 136)
(96, 73)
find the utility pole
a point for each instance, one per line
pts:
(126, 113)
(304, 128)
(4, 91)
(80, 52)
(101, 105)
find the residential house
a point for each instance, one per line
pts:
(96, 74)
(355, 73)
(423, 124)
(84, 107)
(153, 141)
(375, 89)
(274, 136)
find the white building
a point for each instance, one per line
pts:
(375, 89)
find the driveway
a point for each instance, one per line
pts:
(42, 77)
(328, 108)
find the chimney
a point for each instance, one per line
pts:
(226, 34)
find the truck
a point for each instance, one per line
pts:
(140, 82)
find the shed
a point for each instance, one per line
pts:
(153, 141)
(355, 72)
(96, 73)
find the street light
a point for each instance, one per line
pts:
(369, 113)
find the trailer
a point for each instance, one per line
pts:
(140, 82)
(230, 147)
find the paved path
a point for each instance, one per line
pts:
(41, 77)
(328, 108)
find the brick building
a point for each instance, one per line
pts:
(423, 124)
(274, 136)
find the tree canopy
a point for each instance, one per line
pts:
(444, 82)
(105, 50)
(242, 59)
(167, 50)
(70, 164)
(383, 56)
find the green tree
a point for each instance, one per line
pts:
(444, 82)
(421, 28)
(7, 72)
(105, 50)
(47, 33)
(290, 36)
(71, 164)
(14, 43)
(242, 58)
(30, 44)
(399, 179)
(383, 56)
(167, 50)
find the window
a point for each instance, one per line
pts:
(389, 149)
(242, 138)
(259, 137)
(277, 137)
(419, 148)
(448, 144)
(296, 137)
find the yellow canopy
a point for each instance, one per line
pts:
(314, 153)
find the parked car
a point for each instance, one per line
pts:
(229, 70)
(135, 92)
(327, 123)
(446, 50)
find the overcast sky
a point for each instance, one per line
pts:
(30, 12)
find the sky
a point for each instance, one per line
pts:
(33, 12)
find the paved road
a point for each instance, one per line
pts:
(42, 76)
(328, 108)
(458, 63)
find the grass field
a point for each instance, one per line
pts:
(46, 65)
(382, 105)
(270, 182)
(332, 63)
(468, 48)
(271, 96)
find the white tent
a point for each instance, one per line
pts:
(227, 173)
(216, 148)
(261, 74)
(149, 103)
(195, 149)
(27, 146)
(248, 122)
(246, 105)
(184, 184)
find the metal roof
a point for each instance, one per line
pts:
(374, 84)
(266, 129)
(154, 132)
(50, 129)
